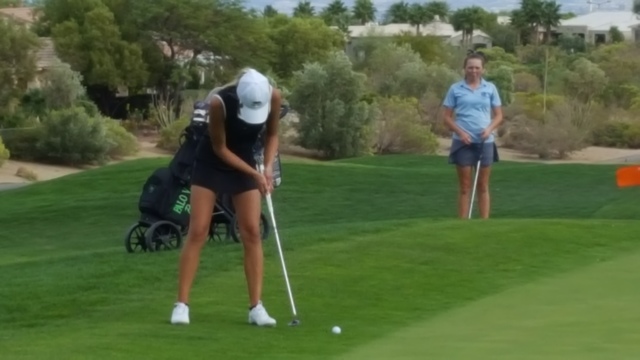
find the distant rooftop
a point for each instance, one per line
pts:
(434, 28)
(22, 14)
(604, 20)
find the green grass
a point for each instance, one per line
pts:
(371, 245)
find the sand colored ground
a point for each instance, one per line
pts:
(593, 155)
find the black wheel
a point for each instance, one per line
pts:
(219, 232)
(264, 228)
(134, 239)
(163, 235)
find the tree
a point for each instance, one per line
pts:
(364, 11)
(269, 11)
(334, 118)
(398, 13)
(17, 64)
(313, 41)
(419, 15)
(304, 9)
(334, 13)
(550, 17)
(468, 20)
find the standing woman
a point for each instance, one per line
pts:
(472, 111)
(225, 164)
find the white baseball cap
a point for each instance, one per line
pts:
(254, 94)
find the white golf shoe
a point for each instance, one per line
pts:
(258, 316)
(180, 314)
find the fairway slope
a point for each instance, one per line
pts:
(371, 245)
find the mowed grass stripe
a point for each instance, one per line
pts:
(371, 285)
(587, 314)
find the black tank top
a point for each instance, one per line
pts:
(240, 136)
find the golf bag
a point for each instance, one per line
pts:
(165, 197)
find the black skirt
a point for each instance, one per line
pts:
(211, 172)
(221, 181)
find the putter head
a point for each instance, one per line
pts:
(294, 322)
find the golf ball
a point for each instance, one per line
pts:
(336, 330)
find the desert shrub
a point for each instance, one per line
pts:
(398, 128)
(526, 83)
(170, 135)
(62, 86)
(27, 173)
(617, 133)
(4, 153)
(431, 113)
(22, 143)
(72, 137)
(333, 117)
(562, 131)
(121, 142)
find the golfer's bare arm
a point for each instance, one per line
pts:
(218, 139)
(497, 117)
(271, 138)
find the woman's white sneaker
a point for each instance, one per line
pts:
(258, 316)
(180, 314)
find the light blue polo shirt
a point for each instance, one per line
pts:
(472, 108)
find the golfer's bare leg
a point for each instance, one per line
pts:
(484, 202)
(248, 210)
(464, 192)
(202, 202)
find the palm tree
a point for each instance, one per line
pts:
(419, 15)
(438, 8)
(550, 17)
(304, 9)
(468, 20)
(364, 11)
(334, 11)
(398, 13)
(269, 11)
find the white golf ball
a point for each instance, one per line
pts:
(336, 330)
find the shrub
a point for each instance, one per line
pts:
(4, 153)
(22, 143)
(333, 117)
(72, 137)
(562, 131)
(617, 133)
(170, 135)
(121, 142)
(399, 128)
(62, 86)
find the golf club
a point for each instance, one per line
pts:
(295, 320)
(475, 181)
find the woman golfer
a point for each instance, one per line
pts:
(225, 165)
(477, 108)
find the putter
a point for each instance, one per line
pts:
(295, 321)
(475, 181)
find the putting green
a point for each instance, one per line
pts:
(590, 313)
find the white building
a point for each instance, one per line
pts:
(436, 28)
(594, 27)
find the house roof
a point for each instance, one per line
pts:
(604, 20)
(21, 14)
(434, 28)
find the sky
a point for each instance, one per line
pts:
(577, 6)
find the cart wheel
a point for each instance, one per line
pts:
(134, 239)
(163, 235)
(264, 229)
(219, 232)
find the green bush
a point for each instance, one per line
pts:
(170, 135)
(618, 134)
(399, 129)
(4, 153)
(121, 142)
(72, 137)
(22, 143)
